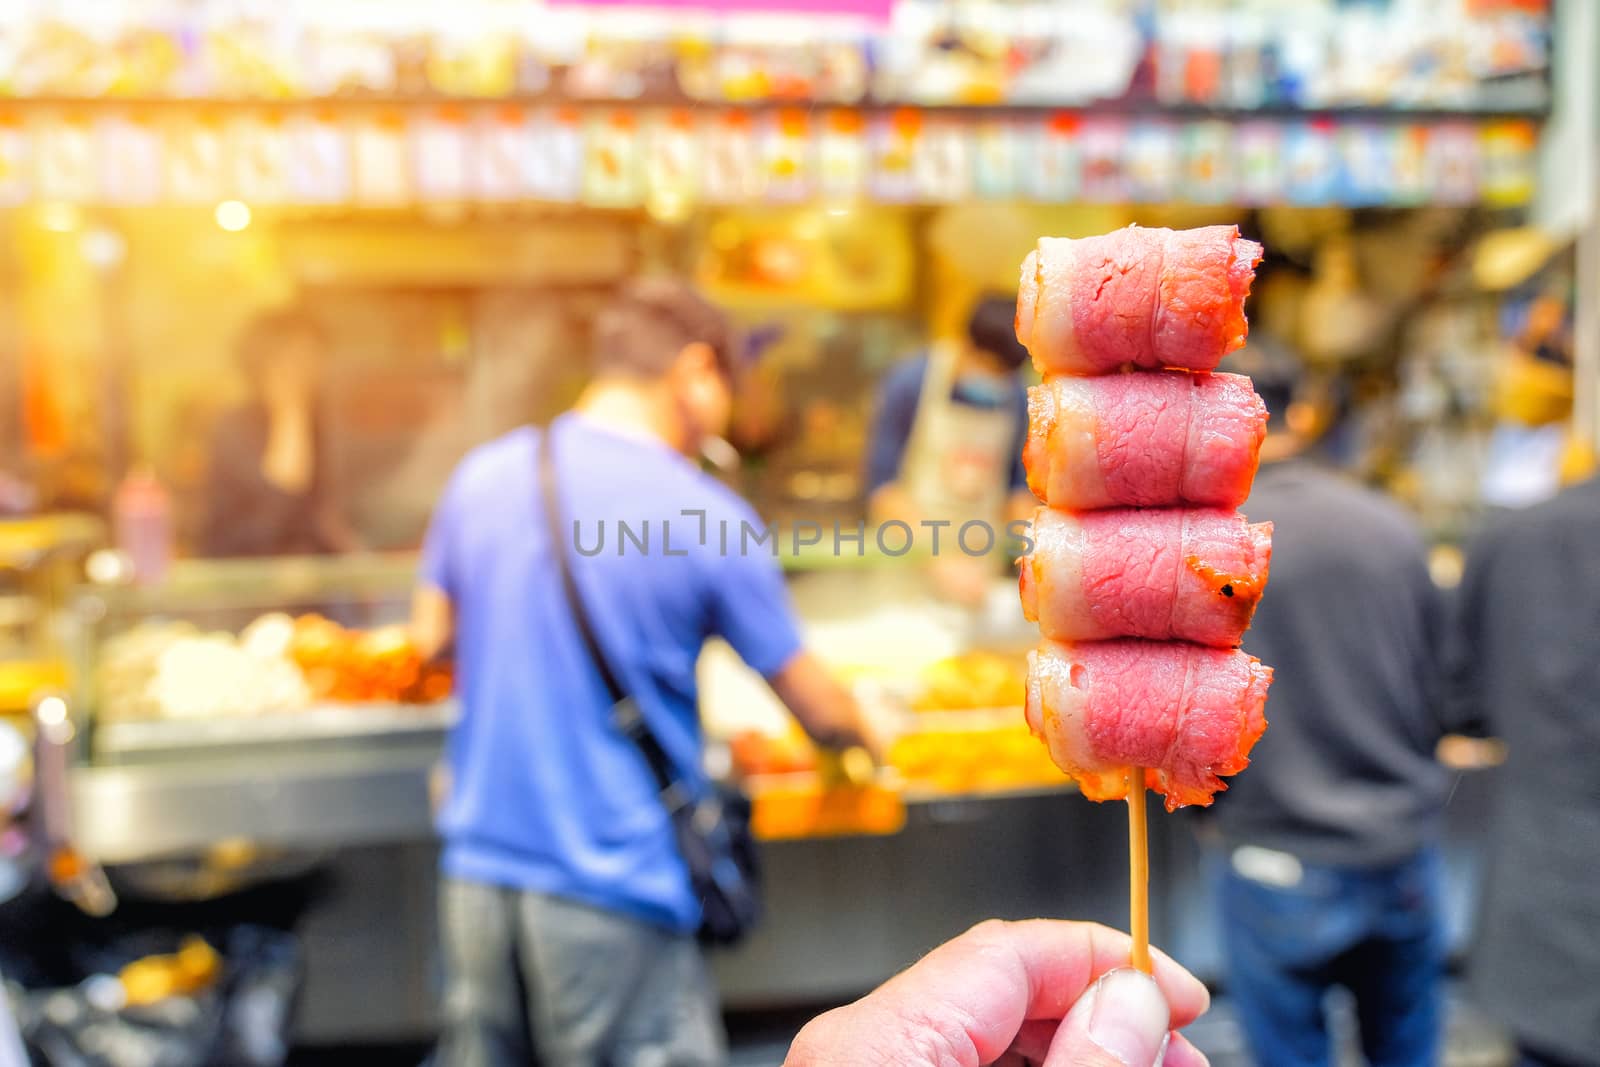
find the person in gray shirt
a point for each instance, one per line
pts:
(1527, 668)
(1331, 872)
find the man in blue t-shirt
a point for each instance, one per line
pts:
(563, 894)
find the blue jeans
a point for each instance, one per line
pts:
(1293, 937)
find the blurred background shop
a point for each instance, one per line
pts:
(444, 194)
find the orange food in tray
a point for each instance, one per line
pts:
(358, 666)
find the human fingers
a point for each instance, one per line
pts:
(1032, 1046)
(964, 1004)
(1181, 1053)
(1032, 1043)
(1042, 965)
(1122, 1021)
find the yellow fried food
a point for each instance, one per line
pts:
(973, 680)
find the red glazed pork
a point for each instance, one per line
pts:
(1187, 714)
(1163, 573)
(1144, 440)
(1151, 297)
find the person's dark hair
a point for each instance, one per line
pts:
(992, 329)
(650, 321)
(266, 335)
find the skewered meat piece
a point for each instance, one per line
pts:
(1162, 573)
(1143, 440)
(1150, 297)
(1187, 713)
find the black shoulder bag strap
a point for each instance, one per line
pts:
(712, 831)
(625, 711)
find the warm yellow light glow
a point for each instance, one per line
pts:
(58, 218)
(233, 215)
(667, 205)
(52, 711)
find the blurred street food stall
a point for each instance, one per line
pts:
(451, 198)
(40, 560)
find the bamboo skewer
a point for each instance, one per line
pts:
(1138, 872)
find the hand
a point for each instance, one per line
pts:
(1043, 992)
(878, 722)
(828, 710)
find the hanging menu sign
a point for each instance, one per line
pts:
(555, 157)
(318, 159)
(379, 160)
(1508, 162)
(1207, 172)
(733, 170)
(1310, 163)
(613, 163)
(1258, 151)
(194, 161)
(995, 154)
(941, 163)
(1049, 159)
(842, 155)
(1104, 177)
(1151, 161)
(786, 151)
(64, 159)
(895, 139)
(258, 154)
(672, 157)
(1453, 164)
(439, 146)
(130, 156)
(503, 140)
(1366, 164)
(1409, 164)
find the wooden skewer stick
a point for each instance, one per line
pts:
(1138, 872)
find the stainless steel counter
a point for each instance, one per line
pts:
(329, 776)
(330, 727)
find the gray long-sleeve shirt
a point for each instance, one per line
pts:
(1350, 623)
(1528, 667)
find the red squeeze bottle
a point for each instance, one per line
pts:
(141, 518)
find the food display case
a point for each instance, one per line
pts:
(269, 701)
(277, 701)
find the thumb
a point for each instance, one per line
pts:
(1122, 1021)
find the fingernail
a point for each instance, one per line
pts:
(1129, 1018)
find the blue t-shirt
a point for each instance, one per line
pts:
(896, 414)
(546, 793)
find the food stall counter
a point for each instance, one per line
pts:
(271, 701)
(276, 701)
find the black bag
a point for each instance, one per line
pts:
(712, 830)
(245, 1019)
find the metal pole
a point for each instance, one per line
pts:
(1586, 329)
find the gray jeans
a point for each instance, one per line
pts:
(593, 988)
